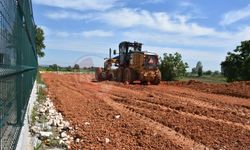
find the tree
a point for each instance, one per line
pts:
(172, 66)
(194, 71)
(76, 67)
(69, 68)
(39, 41)
(199, 68)
(53, 67)
(215, 73)
(236, 67)
(209, 72)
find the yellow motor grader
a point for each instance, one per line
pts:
(132, 64)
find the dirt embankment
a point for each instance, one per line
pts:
(237, 89)
(110, 115)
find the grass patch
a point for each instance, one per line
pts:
(206, 78)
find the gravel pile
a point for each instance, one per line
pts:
(49, 128)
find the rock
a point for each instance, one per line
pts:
(107, 140)
(47, 127)
(35, 129)
(52, 111)
(61, 142)
(36, 117)
(56, 122)
(50, 122)
(87, 123)
(45, 134)
(66, 124)
(57, 138)
(77, 140)
(63, 135)
(42, 110)
(117, 116)
(60, 125)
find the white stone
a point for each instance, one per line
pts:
(77, 140)
(61, 142)
(45, 134)
(107, 140)
(87, 123)
(52, 111)
(117, 116)
(35, 129)
(42, 110)
(66, 124)
(63, 135)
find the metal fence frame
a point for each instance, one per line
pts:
(18, 67)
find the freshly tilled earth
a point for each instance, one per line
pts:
(111, 115)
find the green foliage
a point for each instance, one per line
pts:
(209, 72)
(236, 67)
(172, 66)
(199, 68)
(215, 73)
(76, 67)
(40, 42)
(194, 71)
(53, 67)
(69, 68)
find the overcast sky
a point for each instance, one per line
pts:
(201, 30)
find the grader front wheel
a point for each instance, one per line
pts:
(128, 76)
(157, 79)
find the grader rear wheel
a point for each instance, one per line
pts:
(98, 74)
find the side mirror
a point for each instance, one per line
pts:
(114, 52)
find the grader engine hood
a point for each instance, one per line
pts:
(144, 60)
(151, 61)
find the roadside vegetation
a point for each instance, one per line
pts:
(68, 69)
(205, 78)
(236, 67)
(172, 67)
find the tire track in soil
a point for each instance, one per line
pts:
(189, 108)
(221, 100)
(201, 131)
(233, 115)
(154, 106)
(224, 102)
(171, 134)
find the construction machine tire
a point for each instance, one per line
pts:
(128, 79)
(157, 79)
(119, 75)
(98, 74)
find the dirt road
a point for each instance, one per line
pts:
(110, 115)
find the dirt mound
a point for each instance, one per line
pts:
(238, 89)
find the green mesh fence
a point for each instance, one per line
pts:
(18, 67)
